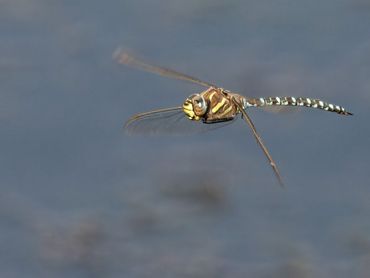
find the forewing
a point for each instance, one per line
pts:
(167, 121)
(123, 57)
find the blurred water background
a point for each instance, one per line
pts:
(80, 198)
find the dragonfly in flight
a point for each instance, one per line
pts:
(210, 107)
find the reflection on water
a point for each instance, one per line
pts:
(79, 198)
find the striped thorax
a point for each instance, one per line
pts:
(212, 105)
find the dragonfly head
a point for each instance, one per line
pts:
(195, 107)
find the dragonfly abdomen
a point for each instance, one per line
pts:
(293, 101)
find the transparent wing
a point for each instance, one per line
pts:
(167, 121)
(280, 109)
(123, 57)
(248, 120)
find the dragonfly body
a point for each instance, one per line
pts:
(219, 105)
(212, 106)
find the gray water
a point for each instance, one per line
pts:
(80, 198)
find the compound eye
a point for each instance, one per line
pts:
(200, 106)
(199, 101)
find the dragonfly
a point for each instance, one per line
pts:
(211, 108)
